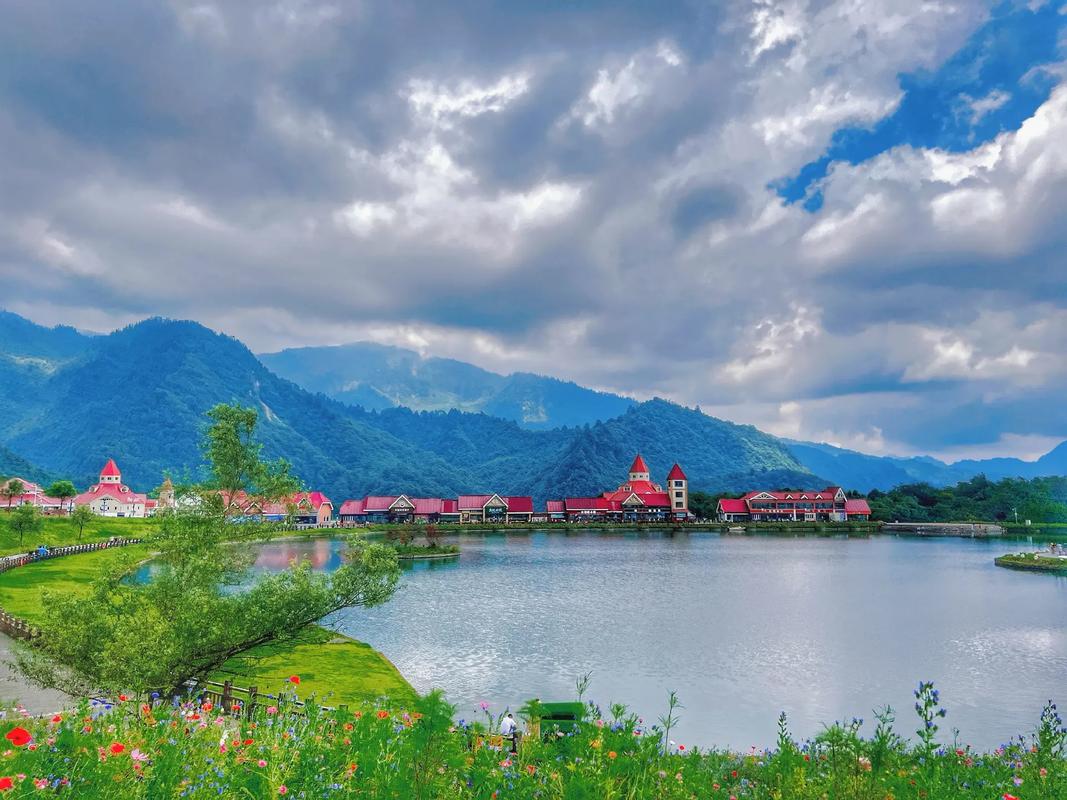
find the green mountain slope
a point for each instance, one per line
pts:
(716, 455)
(377, 377)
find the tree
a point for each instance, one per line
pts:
(433, 535)
(25, 519)
(12, 489)
(236, 457)
(80, 517)
(62, 490)
(184, 623)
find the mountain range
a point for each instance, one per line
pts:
(365, 419)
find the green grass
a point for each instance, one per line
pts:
(21, 588)
(60, 531)
(335, 669)
(350, 671)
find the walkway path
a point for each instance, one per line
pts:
(14, 689)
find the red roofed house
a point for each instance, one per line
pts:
(112, 498)
(398, 508)
(829, 504)
(32, 495)
(303, 508)
(636, 500)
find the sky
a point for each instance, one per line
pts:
(838, 221)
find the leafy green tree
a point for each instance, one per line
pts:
(184, 623)
(236, 457)
(25, 519)
(12, 489)
(80, 517)
(62, 490)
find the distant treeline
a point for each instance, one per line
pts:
(977, 499)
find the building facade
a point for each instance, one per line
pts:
(468, 508)
(110, 497)
(826, 505)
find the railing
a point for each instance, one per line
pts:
(232, 699)
(18, 628)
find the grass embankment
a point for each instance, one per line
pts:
(60, 531)
(348, 670)
(1032, 561)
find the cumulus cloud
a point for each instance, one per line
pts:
(583, 193)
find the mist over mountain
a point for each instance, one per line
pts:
(377, 377)
(69, 401)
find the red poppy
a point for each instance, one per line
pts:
(18, 736)
(294, 679)
(733, 774)
(57, 718)
(117, 747)
(123, 698)
(383, 714)
(248, 741)
(5, 784)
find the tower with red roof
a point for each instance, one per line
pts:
(110, 473)
(639, 470)
(678, 488)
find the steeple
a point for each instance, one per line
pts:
(110, 473)
(639, 469)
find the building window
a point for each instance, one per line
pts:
(679, 484)
(679, 495)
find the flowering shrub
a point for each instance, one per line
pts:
(146, 749)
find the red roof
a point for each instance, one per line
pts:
(349, 507)
(555, 506)
(110, 470)
(657, 499)
(676, 474)
(588, 504)
(449, 507)
(857, 507)
(639, 465)
(316, 499)
(822, 494)
(476, 502)
(728, 506)
(520, 505)
(379, 502)
(427, 505)
(116, 491)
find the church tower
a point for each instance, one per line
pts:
(678, 487)
(639, 470)
(110, 473)
(166, 494)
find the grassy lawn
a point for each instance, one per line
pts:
(59, 531)
(21, 588)
(326, 662)
(334, 668)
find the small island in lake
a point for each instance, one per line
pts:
(1054, 559)
(406, 546)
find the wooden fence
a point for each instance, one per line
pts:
(18, 628)
(232, 699)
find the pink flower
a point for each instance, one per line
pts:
(272, 710)
(282, 789)
(262, 763)
(137, 755)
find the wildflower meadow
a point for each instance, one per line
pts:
(152, 748)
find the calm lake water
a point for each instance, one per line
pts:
(741, 627)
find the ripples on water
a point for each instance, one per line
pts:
(741, 627)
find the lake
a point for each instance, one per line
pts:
(741, 627)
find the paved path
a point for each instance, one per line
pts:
(16, 689)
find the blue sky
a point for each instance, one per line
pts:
(839, 221)
(990, 85)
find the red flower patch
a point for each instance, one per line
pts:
(18, 736)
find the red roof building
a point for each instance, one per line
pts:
(638, 499)
(111, 497)
(32, 495)
(829, 504)
(304, 508)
